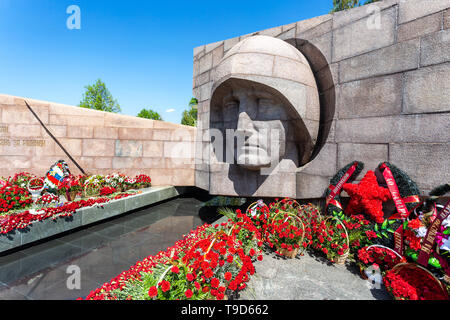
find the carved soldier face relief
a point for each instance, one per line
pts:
(261, 126)
(264, 116)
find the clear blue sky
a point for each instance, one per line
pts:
(142, 50)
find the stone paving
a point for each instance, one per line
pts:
(308, 277)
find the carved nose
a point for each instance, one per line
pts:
(245, 125)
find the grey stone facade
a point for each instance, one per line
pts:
(383, 75)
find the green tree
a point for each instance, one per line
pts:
(189, 117)
(98, 97)
(149, 114)
(339, 5)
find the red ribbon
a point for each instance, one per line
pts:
(335, 190)
(336, 203)
(428, 241)
(411, 199)
(393, 189)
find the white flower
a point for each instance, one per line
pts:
(421, 232)
(446, 222)
(445, 245)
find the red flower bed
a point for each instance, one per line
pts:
(13, 197)
(208, 263)
(105, 191)
(24, 219)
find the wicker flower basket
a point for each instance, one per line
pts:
(91, 190)
(415, 267)
(288, 254)
(253, 205)
(342, 258)
(285, 252)
(70, 195)
(303, 207)
(361, 269)
(280, 203)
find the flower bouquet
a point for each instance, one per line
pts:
(35, 187)
(129, 183)
(21, 179)
(115, 181)
(91, 189)
(92, 185)
(257, 210)
(47, 200)
(13, 197)
(69, 187)
(143, 181)
(409, 281)
(310, 215)
(380, 256)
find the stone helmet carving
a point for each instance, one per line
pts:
(270, 65)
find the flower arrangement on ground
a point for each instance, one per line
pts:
(211, 262)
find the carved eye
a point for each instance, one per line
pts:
(230, 109)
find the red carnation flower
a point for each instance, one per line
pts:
(165, 286)
(215, 282)
(190, 277)
(152, 292)
(188, 293)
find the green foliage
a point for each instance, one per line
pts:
(193, 103)
(227, 212)
(149, 114)
(98, 97)
(339, 5)
(222, 201)
(138, 288)
(189, 117)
